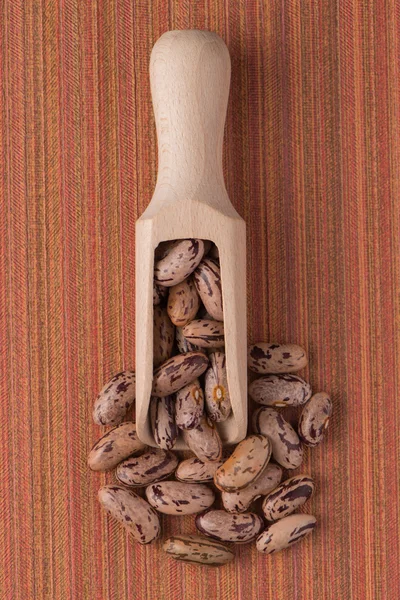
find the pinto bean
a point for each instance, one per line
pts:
(286, 447)
(115, 399)
(285, 533)
(276, 358)
(245, 465)
(314, 419)
(198, 550)
(240, 500)
(153, 466)
(177, 498)
(280, 390)
(178, 262)
(134, 513)
(177, 372)
(226, 527)
(114, 447)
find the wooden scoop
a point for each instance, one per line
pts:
(190, 75)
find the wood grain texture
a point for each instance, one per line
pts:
(311, 162)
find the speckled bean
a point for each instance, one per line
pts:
(115, 399)
(285, 533)
(183, 302)
(131, 511)
(225, 527)
(286, 447)
(177, 372)
(240, 500)
(216, 392)
(194, 470)
(163, 336)
(205, 333)
(154, 465)
(159, 293)
(178, 262)
(204, 440)
(198, 550)
(280, 390)
(177, 498)
(115, 446)
(276, 358)
(189, 405)
(245, 464)
(162, 418)
(183, 344)
(314, 419)
(287, 497)
(207, 278)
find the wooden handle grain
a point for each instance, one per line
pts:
(190, 77)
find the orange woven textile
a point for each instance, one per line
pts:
(312, 158)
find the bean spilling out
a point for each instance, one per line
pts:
(190, 397)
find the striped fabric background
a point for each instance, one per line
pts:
(312, 159)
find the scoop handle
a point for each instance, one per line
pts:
(190, 77)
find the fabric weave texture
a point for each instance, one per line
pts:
(311, 159)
